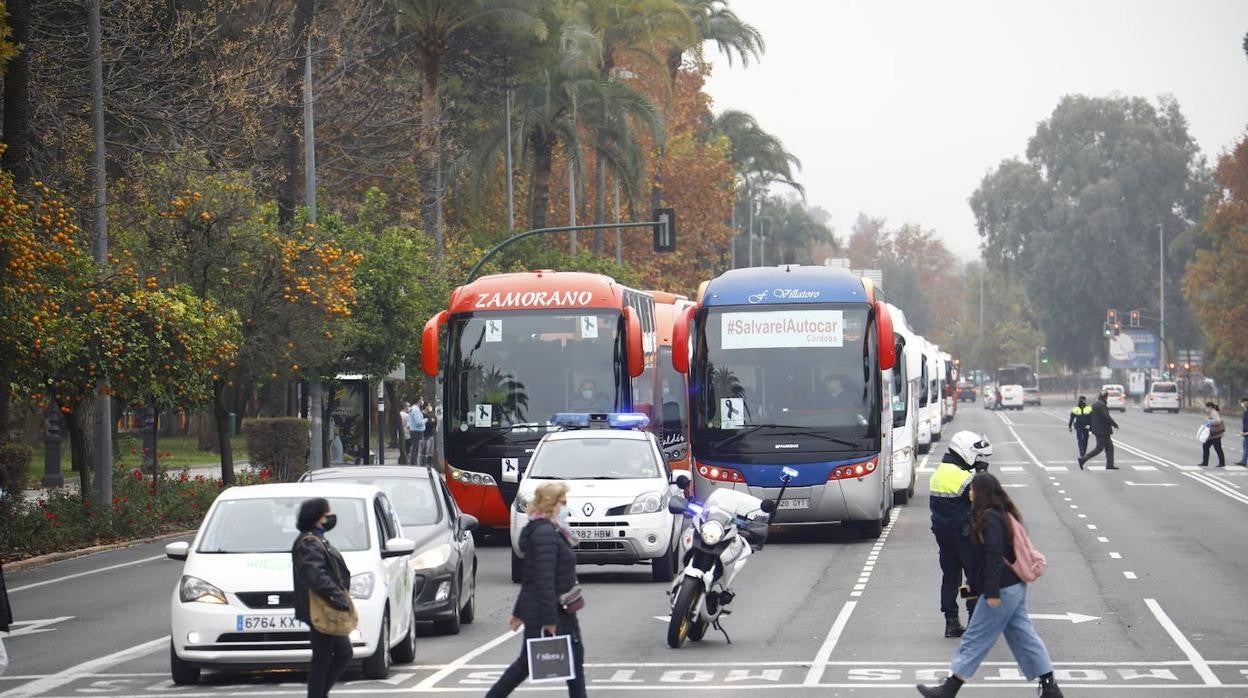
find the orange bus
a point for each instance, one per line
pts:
(517, 348)
(673, 419)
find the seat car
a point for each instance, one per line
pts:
(233, 606)
(445, 561)
(1116, 398)
(1012, 397)
(618, 484)
(966, 391)
(1163, 395)
(1031, 396)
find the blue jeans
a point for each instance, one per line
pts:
(1243, 452)
(988, 623)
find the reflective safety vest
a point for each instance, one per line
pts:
(948, 500)
(1080, 417)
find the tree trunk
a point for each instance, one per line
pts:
(600, 204)
(543, 146)
(222, 415)
(290, 112)
(327, 422)
(430, 145)
(80, 426)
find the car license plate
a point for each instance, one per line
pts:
(594, 533)
(795, 503)
(269, 623)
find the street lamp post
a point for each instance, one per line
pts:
(1161, 290)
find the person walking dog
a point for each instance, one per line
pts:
(322, 586)
(1213, 420)
(1103, 427)
(549, 572)
(1001, 608)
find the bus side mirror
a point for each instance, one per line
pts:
(429, 343)
(632, 343)
(884, 336)
(680, 339)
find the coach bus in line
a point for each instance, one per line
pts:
(673, 402)
(933, 411)
(790, 366)
(519, 348)
(949, 387)
(907, 386)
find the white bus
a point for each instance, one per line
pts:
(935, 411)
(907, 385)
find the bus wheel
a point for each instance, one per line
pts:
(870, 529)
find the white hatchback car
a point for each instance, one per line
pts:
(234, 604)
(618, 484)
(1116, 398)
(1163, 395)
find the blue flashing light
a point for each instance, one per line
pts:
(695, 508)
(613, 420)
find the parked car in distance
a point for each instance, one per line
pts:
(1163, 395)
(445, 562)
(1031, 396)
(966, 391)
(233, 605)
(1116, 398)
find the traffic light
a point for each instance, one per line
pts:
(1135, 318)
(1111, 316)
(1117, 328)
(1044, 355)
(1107, 329)
(665, 230)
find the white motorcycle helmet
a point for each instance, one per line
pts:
(972, 448)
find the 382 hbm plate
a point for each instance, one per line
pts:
(258, 622)
(604, 533)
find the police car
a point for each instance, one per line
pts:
(618, 484)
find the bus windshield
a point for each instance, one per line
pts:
(517, 369)
(785, 371)
(674, 417)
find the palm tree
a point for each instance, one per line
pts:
(433, 25)
(758, 158)
(716, 22)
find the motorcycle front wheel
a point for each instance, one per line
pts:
(684, 613)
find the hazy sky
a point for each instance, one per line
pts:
(898, 108)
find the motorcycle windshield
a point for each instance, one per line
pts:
(733, 502)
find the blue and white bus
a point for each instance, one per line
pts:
(791, 366)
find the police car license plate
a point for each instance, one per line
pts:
(594, 533)
(795, 503)
(269, 623)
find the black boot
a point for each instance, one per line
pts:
(947, 688)
(1048, 687)
(952, 627)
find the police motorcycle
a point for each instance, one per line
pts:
(724, 531)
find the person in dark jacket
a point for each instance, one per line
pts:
(1080, 422)
(1213, 420)
(6, 619)
(950, 505)
(549, 571)
(318, 568)
(1002, 598)
(1103, 427)
(1243, 433)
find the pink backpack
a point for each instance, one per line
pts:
(1029, 564)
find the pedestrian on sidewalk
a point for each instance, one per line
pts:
(319, 569)
(1103, 427)
(416, 429)
(6, 619)
(1243, 433)
(431, 430)
(549, 572)
(1213, 420)
(1080, 422)
(1001, 608)
(405, 433)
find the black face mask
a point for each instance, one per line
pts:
(331, 520)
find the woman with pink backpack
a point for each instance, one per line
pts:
(999, 583)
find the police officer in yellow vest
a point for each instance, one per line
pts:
(1081, 423)
(950, 505)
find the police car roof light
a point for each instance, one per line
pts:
(613, 420)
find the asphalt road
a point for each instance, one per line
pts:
(1145, 596)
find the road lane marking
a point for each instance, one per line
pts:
(1116, 556)
(1102, 539)
(1071, 616)
(85, 669)
(1185, 646)
(432, 681)
(1129, 574)
(1200, 477)
(815, 674)
(84, 574)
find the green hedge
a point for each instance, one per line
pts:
(14, 465)
(278, 445)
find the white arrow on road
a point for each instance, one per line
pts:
(1075, 618)
(32, 627)
(1151, 484)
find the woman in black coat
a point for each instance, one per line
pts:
(318, 567)
(549, 571)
